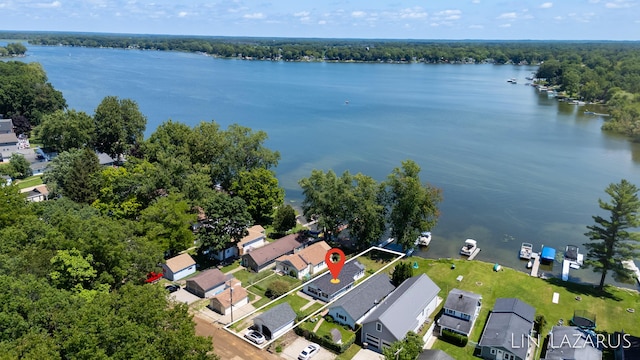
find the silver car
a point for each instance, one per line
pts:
(309, 351)
(255, 336)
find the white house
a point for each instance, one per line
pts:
(306, 262)
(255, 238)
(222, 302)
(179, 267)
(275, 321)
(461, 309)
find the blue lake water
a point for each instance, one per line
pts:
(513, 165)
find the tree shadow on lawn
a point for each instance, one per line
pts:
(583, 289)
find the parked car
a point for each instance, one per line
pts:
(309, 351)
(255, 336)
(172, 288)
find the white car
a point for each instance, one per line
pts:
(255, 336)
(309, 351)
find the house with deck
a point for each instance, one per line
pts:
(179, 267)
(353, 307)
(323, 289)
(461, 309)
(305, 263)
(406, 309)
(507, 331)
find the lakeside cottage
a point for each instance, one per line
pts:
(461, 309)
(323, 289)
(571, 342)
(509, 326)
(265, 256)
(304, 263)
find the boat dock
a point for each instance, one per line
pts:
(629, 264)
(474, 254)
(565, 269)
(536, 264)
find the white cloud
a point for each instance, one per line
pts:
(476, 26)
(476, 1)
(302, 14)
(51, 5)
(182, 14)
(358, 14)
(619, 4)
(510, 15)
(546, 5)
(254, 16)
(450, 14)
(322, 22)
(413, 13)
(559, 18)
(505, 25)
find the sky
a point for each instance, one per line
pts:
(378, 19)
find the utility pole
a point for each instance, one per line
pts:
(231, 294)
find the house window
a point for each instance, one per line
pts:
(342, 317)
(379, 327)
(493, 351)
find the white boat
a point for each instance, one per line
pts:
(469, 247)
(513, 81)
(424, 239)
(526, 249)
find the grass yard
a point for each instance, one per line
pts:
(30, 181)
(232, 266)
(350, 353)
(610, 307)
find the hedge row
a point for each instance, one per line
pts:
(325, 341)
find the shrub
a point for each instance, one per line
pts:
(276, 289)
(454, 338)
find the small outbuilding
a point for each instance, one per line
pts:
(179, 267)
(208, 283)
(222, 303)
(276, 321)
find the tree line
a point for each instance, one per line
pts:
(13, 49)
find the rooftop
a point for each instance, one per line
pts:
(365, 296)
(180, 262)
(348, 272)
(313, 254)
(275, 249)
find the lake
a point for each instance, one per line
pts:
(513, 164)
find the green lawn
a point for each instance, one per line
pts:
(350, 353)
(30, 181)
(232, 266)
(610, 307)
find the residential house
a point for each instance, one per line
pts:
(265, 256)
(627, 347)
(571, 342)
(406, 309)
(255, 238)
(36, 193)
(461, 309)
(507, 331)
(6, 126)
(208, 283)
(354, 306)
(222, 303)
(304, 263)
(430, 354)
(8, 145)
(179, 267)
(323, 289)
(275, 321)
(105, 159)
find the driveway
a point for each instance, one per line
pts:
(184, 296)
(226, 319)
(292, 351)
(367, 355)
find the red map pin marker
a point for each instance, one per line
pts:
(335, 266)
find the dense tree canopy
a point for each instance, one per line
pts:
(64, 130)
(119, 126)
(261, 192)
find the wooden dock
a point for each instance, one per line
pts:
(536, 264)
(474, 254)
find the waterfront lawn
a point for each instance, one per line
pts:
(610, 306)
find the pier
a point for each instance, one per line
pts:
(474, 254)
(536, 264)
(565, 269)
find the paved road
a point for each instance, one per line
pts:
(228, 346)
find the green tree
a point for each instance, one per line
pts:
(366, 211)
(64, 130)
(261, 192)
(16, 49)
(14, 205)
(72, 174)
(71, 270)
(284, 219)
(401, 272)
(168, 221)
(413, 206)
(276, 289)
(324, 199)
(20, 165)
(227, 222)
(611, 239)
(117, 196)
(406, 349)
(119, 126)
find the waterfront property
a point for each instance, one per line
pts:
(265, 256)
(353, 307)
(179, 267)
(571, 342)
(461, 310)
(507, 331)
(275, 321)
(323, 289)
(208, 283)
(304, 263)
(406, 309)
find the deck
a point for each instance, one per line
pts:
(565, 269)
(474, 254)
(536, 264)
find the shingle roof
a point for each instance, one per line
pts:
(8, 138)
(313, 255)
(578, 347)
(434, 355)
(273, 250)
(209, 279)
(365, 296)
(462, 301)
(254, 232)
(6, 125)
(224, 298)
(349, 270)
(510, 320)
(398, 312)
(180, 262)
(277, 317)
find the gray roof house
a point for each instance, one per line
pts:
(6, 126)
(570, 342)
(323, 289)
(461, 310)
(355, 305)
(506, 334)
(264, 257)
(208, 283)
(430, 354)
(405, 309)
(275, 321)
